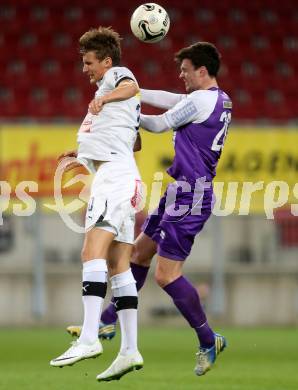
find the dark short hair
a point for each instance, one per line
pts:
(201, 54)
(104, 41)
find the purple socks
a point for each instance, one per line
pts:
(139, 272)
(109, 316)
(186, 299)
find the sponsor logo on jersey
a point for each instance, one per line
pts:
(184, 113)
(227, 104)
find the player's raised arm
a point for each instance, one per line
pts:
(184, 112)
(126, 89)
(154, 123)
(161, 99)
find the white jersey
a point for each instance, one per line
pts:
(110, 135)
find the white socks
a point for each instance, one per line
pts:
(94, 291)
(126, 302)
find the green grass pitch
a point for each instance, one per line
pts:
(262, 359)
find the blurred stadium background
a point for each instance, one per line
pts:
(244, 266)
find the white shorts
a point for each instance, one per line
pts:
(114, 200)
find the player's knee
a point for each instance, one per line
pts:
(162, 279)
(139, 256)
(143, 251)
(87, 254)
(165, 276)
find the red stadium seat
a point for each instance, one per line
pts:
(39, 32)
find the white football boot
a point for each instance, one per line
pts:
(121, 366)
(77, 352)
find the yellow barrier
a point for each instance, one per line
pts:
(254, 155)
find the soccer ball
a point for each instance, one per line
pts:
(150, 22)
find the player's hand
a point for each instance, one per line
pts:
(71, 166)
(71, 153)
(65, 165)
(68, 163)
(96, 106)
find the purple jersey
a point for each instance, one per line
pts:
(200, 121)
(199, 142)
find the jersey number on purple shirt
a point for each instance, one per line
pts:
(220, 137)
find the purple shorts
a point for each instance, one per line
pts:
(174, 228)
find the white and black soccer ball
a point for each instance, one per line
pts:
(150, 22)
